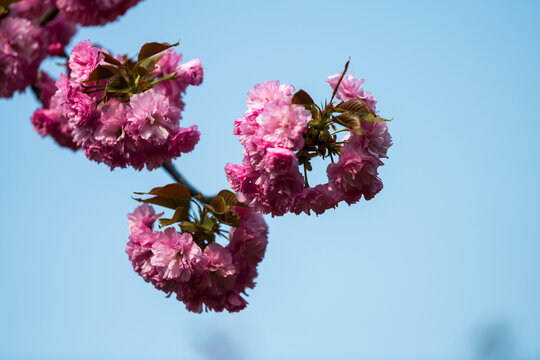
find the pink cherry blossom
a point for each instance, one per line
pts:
(76, 105)
(350, 89)
(283, 125)
(273, 130)
(151, 117)
(83, 60)
(214, 278)
(142, 219)
(141, 130)
(22, 48)
(269, 92)
(175, 256)
(317, 199)
(95, 12)
(49, 121)
(279, 161)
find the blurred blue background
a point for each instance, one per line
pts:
(443, 264)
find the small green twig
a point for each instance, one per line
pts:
(338, 131)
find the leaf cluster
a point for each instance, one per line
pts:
(120, 79)
(203, 220)
(318, 140)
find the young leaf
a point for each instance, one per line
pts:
(230, 218)
(354, 105)
(102, 72)
(218, 204)
(181, 214)
(208, 224)
(150, 63)
(152, 48)
(350, 121)
(173, 191)
(229, 197)
(164, 201)
(373, 118)
(302, 98)
(118, 85)
(141, 71)
(108, 58)
(188, 226)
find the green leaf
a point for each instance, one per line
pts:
(208, 224)
(231, 219)
(218, 203)
(350, 121)
(355, 105)
(188, 226)
(141, 71)
(171, 196)
(102, 72)
(373, 118)
(152, 48)
(302, 98)
(181, 214)
(150, 63)
(165, 202)
(118, 85)
(229, 197)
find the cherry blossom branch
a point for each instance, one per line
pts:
(171, 170)
(48, 16)
(36, 91)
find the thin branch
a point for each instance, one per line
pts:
(340, 79)
(48, 16)
(306, 184)
(36, 92)
(171, 170)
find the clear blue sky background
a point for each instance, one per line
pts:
(445, 258)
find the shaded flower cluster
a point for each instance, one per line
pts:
(25, 41)
(282, 131)
(117, 111)
(211, 276)
(94, 12)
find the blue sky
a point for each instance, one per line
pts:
(447, 254)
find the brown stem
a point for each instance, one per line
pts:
(340, 79)
(36, 92)
(171, 170)
(48, 16)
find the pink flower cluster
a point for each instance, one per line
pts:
(24, 44)
(94, 12)
(356, 172)
(271, 131)
(143, 131)
(214, 277)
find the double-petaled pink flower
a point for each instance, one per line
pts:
(142, 130)
(272, 132)
(213, 278)
(25, 43)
